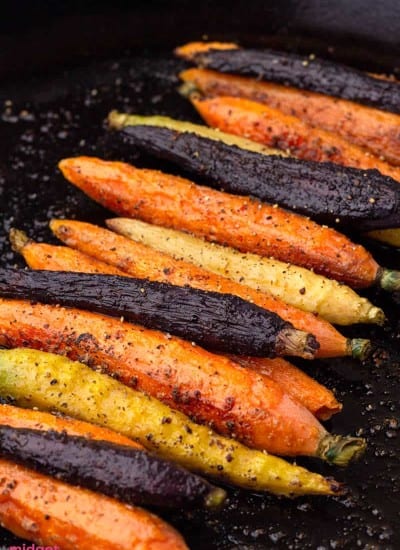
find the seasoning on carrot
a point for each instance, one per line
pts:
(238, 221)
(132, 476)
(316, 74)
(219, 322)
(50, 512)
(269, 126)
(300, 287)
(26, 376)
(143, 261)
(294, 285)
(324, 191)
(376, 130)
(304, 389)
(211, 388)
(41, 254)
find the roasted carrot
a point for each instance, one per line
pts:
(37, 420)
(50, 512)
(302, 388)
(191, 49)
(143, 261)
(269, 126)
(26, 375)
(297, 286)
(377, 131)
(316, 397)
(290, 69)
(219, 322)
(241, 222)
(132, 476)
(208, 387)
(327, 193)
(58, 258)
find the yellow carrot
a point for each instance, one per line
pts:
(294, 285)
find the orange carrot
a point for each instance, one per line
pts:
(187, 51)
(42, 254)
(50, 512)
(211, 388)
(377, 131)
(37, 420)
(317, 398)
(271, 127)
(142, 261)
(241, 222)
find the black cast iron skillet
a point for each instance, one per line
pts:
(62, 68)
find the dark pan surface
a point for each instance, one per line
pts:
(62, 114)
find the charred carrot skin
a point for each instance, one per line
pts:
(271, 127)
(377, 131)
(52, 513)
(317, 75)
(210, 388)
(326, 192)
(133, 476)
(238, 221)
(220, 322)
(314, 396)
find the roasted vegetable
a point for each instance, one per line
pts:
(210, 388)
(16, 417)
(271, 127)
(238, 221)
(142, 261)
(300, 287)
(304, 389)
(220, 322)
(133, 476)
(45, 256)
(307, 73)
(56, 515)
(307, 391)
(377, 131)
(26, 375)
(326, 192)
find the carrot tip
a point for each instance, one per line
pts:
(341, 450)
(360, 348)
(296, 342)
(215, 499)
(116, 120)
(189, 90)
(19, 239)
(389, 279)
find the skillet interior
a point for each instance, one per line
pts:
(62, 114)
